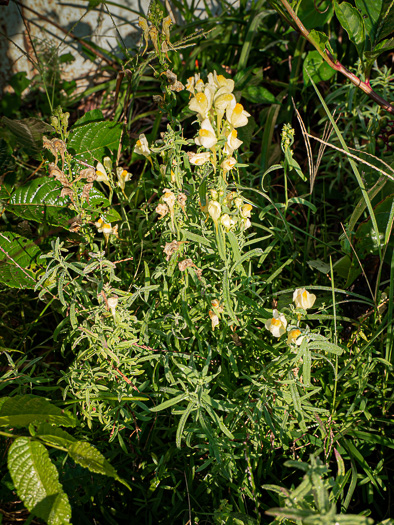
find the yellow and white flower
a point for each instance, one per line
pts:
(106, 229)
(123, 177)
(214, 210)
(245, 224)
(112, 304)
(246, 210)
(144, 24)
(222, 103)
(142, 147)
(101, 174)
(237, 116)
(228, 164)
(201, 103)
(303, 299)
(206, 135)
(214, 319)
(162, 210)
(232, 143)
(294, 337)
(226, 221)
(198, 159)
(276, 325)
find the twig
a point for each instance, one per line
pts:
(335, 64)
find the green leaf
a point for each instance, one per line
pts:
(90, 141)
(89, 457)
(325, 346)
(353, 23)
(7, 172)
(370, 11)
(382, 47)
(52, 435)
(95, 115)
(17, 256)
(28, 131)
(258, 95)
(319, 40)
(315, 15)
(386, 20)
(40, 200)
(37, 481)
(169, 403)
(21, 410)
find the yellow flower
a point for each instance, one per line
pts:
(201, 104)
(232, 143)
(228, 164)
(198, 159)
(293, 337)
(167, 23)
(106, 229)
(123, 177)
(101, 174)
(153, 33)
(214, 319)
(206, 135)
(245, 224)
(303, 299)
(190, 85)
(214, 210)
(276, 325)
(246, 211)
(237, 116)
(142, 147)
(226, 221)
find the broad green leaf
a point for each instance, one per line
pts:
(20, 82)
(258, 95)
(28, 131)
(382, 47)
(39, 200)
(386, 20)
(95, 115)
(314, 15)
(370, 11)
(7, 172)
(89, 457)
(52, 435)
(37, 481)
(353, 23)
(90, 142)
(21, 410)
(319, 40)
(17, 257)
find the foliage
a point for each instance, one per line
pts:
(189, 294)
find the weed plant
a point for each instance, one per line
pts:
(199, 288)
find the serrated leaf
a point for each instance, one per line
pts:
(22, 410)
(89, 457)
(40, 201)
(52, 435)
(37, 481)
(90, 141)
(28, 131)
(17, 255)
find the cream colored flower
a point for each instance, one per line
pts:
(101, 174)
(169, 198)
(199, 83)
(276, 325)
(215, 304)
(106, 229)
(167, 23)
(226, 221)
(123, 177)
(237, 116)
(214, 319)
(142, 147)
(190, 85)
(214, 210)
(238, 202)
(198, 159)
(112, 304)
(206, 135)
(232, 143)
(162, 210)
(222, 103)
(228, 164)
(293, 337)
(245, 224)
(246, 211)
(303, 299)
(202, 103)
(153, 33)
